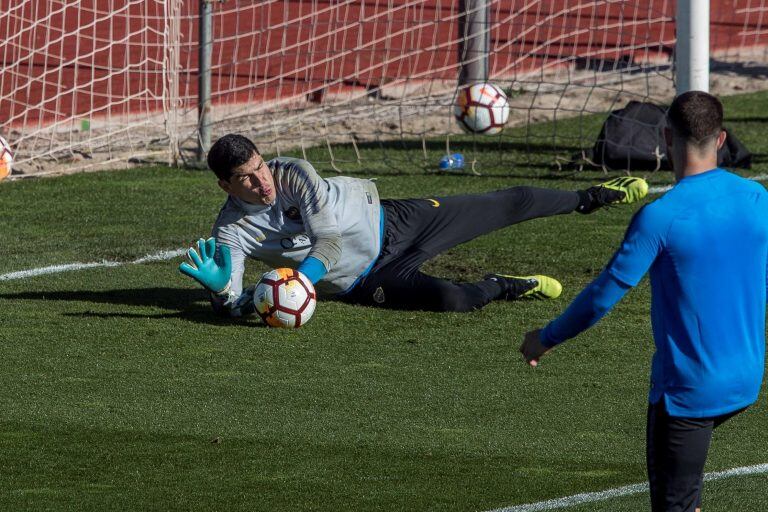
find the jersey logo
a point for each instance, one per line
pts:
(292, 213)
(290, 243)
(378, 295)
(435, 202)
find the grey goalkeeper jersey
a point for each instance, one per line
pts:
(336, 220)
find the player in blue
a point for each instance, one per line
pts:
(705, 243)
(358, 248)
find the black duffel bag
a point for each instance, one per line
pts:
(632, 138)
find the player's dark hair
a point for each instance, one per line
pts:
(230, 152)
(696, 116)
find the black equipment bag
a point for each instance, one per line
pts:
(632, 138)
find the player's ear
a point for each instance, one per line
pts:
(224, 186)
(721, 139)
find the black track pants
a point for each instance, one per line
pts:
(416, 230)
(676, 452)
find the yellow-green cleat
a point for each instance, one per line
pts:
(624, 190)
(534, 287)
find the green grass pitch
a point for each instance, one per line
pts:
(121, 391)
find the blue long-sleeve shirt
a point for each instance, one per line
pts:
(591, 305)
(706, 245)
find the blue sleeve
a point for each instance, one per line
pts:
(764, 194)
(642, 243)
(587, 308)
(313, 268)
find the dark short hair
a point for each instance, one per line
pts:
(697, 116)
(230, 152)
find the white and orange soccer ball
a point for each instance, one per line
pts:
(285, 298)
(481, 108)
(6, 159)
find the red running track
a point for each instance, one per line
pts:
(98, 58)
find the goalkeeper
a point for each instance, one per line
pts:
(360, 249)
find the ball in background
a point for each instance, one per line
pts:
(6, 159)
(481, 108)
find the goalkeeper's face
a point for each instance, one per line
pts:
(252, 182)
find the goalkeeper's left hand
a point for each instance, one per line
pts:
(211, 267)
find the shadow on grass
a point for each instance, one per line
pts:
(200, 316)
(479, 145)
(186, 304)
(493, 171)
(517, 171)
(759, 158)
(740, 68)
(396, 157)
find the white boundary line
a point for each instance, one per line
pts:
(55, 269)
(591, 497)
(659, 190)
(168, 255)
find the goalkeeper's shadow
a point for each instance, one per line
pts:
(182, 303)
(199, 315)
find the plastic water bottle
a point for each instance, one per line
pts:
(451, 162)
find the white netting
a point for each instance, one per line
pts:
(81, 78)
(86, 83)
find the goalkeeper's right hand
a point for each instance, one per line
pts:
(211, 267)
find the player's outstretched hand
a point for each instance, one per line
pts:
(210, 265)
(532, 349)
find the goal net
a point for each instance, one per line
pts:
(96, 83)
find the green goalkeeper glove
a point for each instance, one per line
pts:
(211, 267)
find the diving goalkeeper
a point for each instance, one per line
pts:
(358, 248)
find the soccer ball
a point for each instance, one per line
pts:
(284, 298)
(6, 159)
(481, 108)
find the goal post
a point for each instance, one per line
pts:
(205, 55)
(475, 40)
(692, 48)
